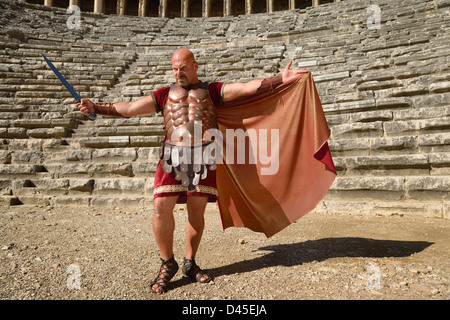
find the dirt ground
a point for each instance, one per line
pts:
(110, 254)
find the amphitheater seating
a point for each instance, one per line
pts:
(385, 92)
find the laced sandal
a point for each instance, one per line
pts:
(167, 271)
(192, 270)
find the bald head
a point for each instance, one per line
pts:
(184, 67)
(183, 54)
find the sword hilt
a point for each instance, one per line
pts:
(91, 116)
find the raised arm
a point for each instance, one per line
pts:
(120, 109)
(232, 91)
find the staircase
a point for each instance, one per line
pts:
(385, 92)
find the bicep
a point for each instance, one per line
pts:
(232, 91)
(142, 106)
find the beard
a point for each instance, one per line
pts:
(182, 81)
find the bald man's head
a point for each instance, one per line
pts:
(184, 68)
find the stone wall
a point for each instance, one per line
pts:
(382, 74)
(182, 8)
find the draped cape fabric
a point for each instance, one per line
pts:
(270, 202)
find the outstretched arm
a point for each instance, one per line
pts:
(120, 109)
(233, 91)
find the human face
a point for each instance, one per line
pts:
(184, 71)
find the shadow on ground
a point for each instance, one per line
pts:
(317, 250)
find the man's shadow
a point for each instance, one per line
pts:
(317, 250)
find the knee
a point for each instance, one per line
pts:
(157, 212)
(162, 209)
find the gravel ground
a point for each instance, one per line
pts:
(90, 253)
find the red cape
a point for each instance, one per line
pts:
(268, 203)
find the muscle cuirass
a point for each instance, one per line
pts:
(188, 149)
(188, 114)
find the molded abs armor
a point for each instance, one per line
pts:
(188, 149)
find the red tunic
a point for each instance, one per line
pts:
(166, 184)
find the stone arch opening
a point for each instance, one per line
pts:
(110, 6)
(216, 8)
(173, 9)
(259, 6)
(195, 9)
(303, 4)
(41, 2)
(280, 5)
(152, 8)
(237, 7)
(61, 3)
(86, 6)
(131, 7)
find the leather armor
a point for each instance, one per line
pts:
(188, 149)
(185, 108)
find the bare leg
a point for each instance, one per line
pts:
(163, 228)
(195, 224)
(194, 228)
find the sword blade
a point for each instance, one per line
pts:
(76, 96)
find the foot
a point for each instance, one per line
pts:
(168, 269)
(193, 271)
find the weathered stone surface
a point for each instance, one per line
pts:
(385, 93)
(428, 188)
(119, 186)
(81, 185)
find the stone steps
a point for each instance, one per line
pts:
(385, 93)
(392, 188)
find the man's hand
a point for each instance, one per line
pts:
(86, 106)
(289, 74)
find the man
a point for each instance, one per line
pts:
(177, 103)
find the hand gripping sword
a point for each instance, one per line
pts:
(91, 116)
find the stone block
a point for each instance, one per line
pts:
(350, 147)
(428, 209)
(403, 144)
(144, 169)
(440, 87)
(352, 106)
(3, 133)
(19, 170)
(5, 187)
(389, 103)
(78, 155)
(357, 188)
(7, 201)
(331, 77)
(19, 157)
(428, 188)
(434, 142)
(446, 210)
(70, 201)
(357, 130)
(146, 141)
(17, 133)
(81, 186)
(5, 157)
(440, 163)
(413, 127)
(114, 155)
(119, 186)
(150, 154)
(386, 165)
(117, 201)
(371, 116)
(53, 187)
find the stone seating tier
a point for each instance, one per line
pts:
(385, 93)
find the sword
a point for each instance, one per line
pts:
(91, 116)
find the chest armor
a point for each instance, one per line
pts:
(188, 114)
